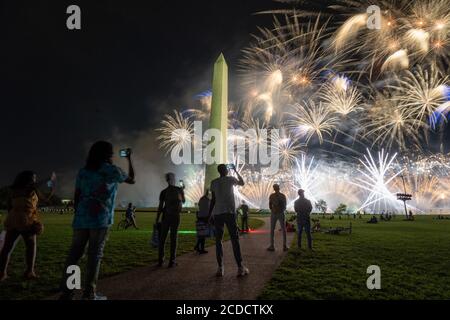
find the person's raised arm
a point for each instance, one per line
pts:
(240, 180)
(131, 175)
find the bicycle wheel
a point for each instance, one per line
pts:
(121, 225)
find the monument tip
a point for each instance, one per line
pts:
(220, 58)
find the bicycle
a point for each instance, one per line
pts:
(124, 223)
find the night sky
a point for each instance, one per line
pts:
(130, 63)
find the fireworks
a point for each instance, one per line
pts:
(374, 180)
(175, 132)
(340, 96)
(311, 119)
(426, 190)
(256, 193)
(194, 186)
(306, 177)
(397, 61)
(286, 61)
(407, 31)
(288, 150)
(387, 124)
(421, 92)
(348, 87)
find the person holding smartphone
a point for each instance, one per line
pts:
(222, 210)
(94, 202)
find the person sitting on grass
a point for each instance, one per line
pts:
(373, 220)
(316, 225)
(130, 216)
(95, 193)
(22, 220)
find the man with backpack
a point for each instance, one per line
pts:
(171, 201)
(277, 206)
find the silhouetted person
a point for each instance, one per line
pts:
(94, 202)
(130, 216)
(244, 219)
(22, 220)
(373, 220)
(171, 201)
(203, 220)
(223, 211)
(277, 206)
(303, 209)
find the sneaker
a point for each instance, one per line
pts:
(243, 271)
(271, 248)
(203, 251)
(172, 264)
(220, 272)
(94, 296)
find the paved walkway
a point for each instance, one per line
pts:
(194, 277)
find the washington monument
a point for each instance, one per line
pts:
(219, 116)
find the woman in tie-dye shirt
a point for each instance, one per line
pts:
(95, 194)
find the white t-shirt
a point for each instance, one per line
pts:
(224, 193)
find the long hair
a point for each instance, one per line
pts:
(100, 153)
(24, 180)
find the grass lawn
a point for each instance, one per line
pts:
(124, 250)
(414, 257)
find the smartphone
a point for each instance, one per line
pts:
(231, 166)
(124, 152)
(181, 184)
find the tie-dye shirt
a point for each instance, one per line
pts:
(95, 193)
